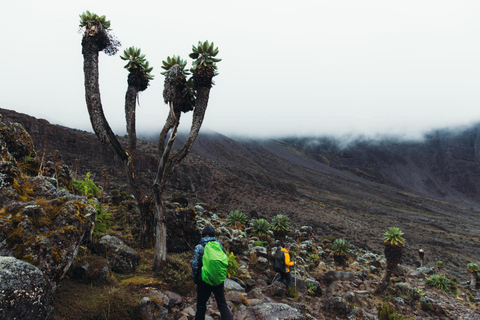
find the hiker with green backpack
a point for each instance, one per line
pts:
(209, 271)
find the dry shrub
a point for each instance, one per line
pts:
(176, 272)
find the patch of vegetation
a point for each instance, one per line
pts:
(386, 311)
(341, 247)
(236, 219)
(79, 301)
(280, 223)
(442, 282)
(232, 267)
(176, 272)
(103, 220)
(293, 293)
(260, 227)
(86, 187)
(260, 243)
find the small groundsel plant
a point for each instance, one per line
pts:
(103, 220)
(440, 281)
(311, 288)
(236, 219)
(440, 265)
(280, 223)
(386, 311)
(340, 247)
(393, 236)
(420, 292)
(86, 187)
(261, 227)
(473, 267)
(232, 267)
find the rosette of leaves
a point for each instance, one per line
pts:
(88, 17)
(393, 236)
(232, 267)
(178, 89)
(340, 249)
(260, 227)
(205, 64)
(236, 219)
(473, 268)
(280, 223)
(138, 68)
(97, 34)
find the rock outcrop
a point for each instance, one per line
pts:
(41, 228)
(25, 291)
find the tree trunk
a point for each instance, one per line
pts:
(130, 106)
(393, 254)
(160, 236)
(473, 280)
(160, 213)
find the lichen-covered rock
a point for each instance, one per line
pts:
(25, 291)
(17, 140)
(43, 225)
(122, 258)
(273, 311)
(182, 232)
(238, 245)
(337, 305)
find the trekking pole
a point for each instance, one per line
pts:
(295, 267)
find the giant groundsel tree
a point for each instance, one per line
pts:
(182, 94)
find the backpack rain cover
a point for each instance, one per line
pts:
(215, 262)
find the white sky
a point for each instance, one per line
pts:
(303, 67)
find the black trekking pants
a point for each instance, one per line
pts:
(204, 290)
(287, 278)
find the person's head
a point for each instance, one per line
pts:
(208, 231)
(287, 246)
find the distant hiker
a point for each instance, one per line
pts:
(209, 271)
(282, 264)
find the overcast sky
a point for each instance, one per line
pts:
(303, 67)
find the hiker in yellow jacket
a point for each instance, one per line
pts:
(285, 275)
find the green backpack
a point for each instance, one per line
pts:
(215, 262)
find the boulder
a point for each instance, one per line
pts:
(337, 305)
(122, 258)
(231, 285)
(174, 298)
(150, 310)
(43, 225)
(25, 291)
(238, 245)
(182, 232)
(273, 311)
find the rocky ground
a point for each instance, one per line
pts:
(322, 202)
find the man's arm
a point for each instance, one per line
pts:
(287, 260)
(197, 261)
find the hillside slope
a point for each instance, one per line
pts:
(428, 190)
